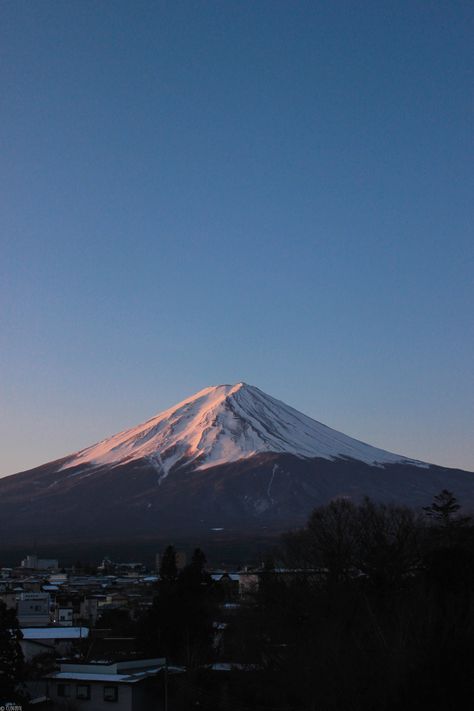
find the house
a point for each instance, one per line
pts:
(64, 616)
(67, 606)
(37, 640)
(133, 685)
(33, 609)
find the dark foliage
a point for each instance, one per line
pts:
(370, 607)
(448, 526)
(168, 567)
(11, 656)
(180, 624)
(373, 611)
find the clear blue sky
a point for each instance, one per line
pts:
(203, 192)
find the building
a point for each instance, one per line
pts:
(33, 609)
(34, 563)
(64, 616)
(131, 685)
(60, 640)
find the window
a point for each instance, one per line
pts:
(110, 693)
(83, 691)
(64, 690)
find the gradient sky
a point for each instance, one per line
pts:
(196, 193)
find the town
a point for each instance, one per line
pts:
(74, 628)
(365, 603)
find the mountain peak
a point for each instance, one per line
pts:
(227, 388)
(222, 424)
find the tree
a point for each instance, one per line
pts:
(331, 531)
(268, 563)
(443, 512)
(444, 508)
(198, 561)
(180, 622)
(168, 567)
(197, 609)
(296, 550)
(40, 665)
(387, 546)
(11, 656)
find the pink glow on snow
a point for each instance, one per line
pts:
(223, 424)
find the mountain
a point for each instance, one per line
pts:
(224, 424)
(228, 459)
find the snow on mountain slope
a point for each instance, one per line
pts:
(223, 424)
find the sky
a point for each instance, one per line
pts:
(276, 192)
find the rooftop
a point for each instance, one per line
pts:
(55, 632)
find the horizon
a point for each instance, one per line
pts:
(203, 192)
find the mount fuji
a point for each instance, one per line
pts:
(229, 458)
(224, 424)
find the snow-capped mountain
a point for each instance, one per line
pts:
(230, 459)
(223, 424)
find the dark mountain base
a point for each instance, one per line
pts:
(253, 499)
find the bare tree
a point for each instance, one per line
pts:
(331, 531)
(388, 542)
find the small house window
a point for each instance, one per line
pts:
(83, 691)
(110, 693)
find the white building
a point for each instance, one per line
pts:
(33, 609)
(136, 685)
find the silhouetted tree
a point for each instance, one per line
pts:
(268, 563)
(168, 567)
(331, 537)
(296, 551)
(198, 560)
(180, 623)
(444, 515)
(322, 636)
(444, 510)
(197, 600)
(387, 542)
(41, 664)
(11, 656)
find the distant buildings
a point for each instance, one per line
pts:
(34, 563)
(68, 617)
